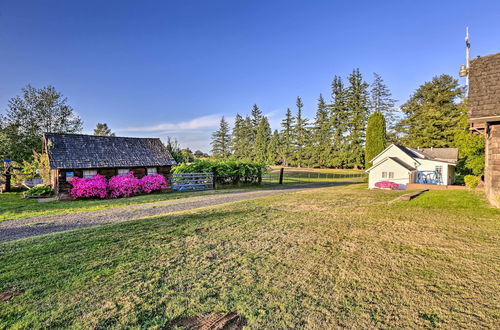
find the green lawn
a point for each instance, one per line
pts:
(13, 206)
(323, 258)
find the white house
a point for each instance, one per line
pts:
(404, 165)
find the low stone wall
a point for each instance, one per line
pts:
(420, 186)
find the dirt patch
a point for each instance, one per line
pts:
(211, 321)
(201, 230)
(7, 295)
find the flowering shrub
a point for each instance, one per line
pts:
(154, 182)
(124, 186)
(387, 185)
(89, 187)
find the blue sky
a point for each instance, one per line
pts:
(172, 68)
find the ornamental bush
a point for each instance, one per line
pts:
(387, 185)
(95, 187)
(471, 181)
(154, 182)
(124, 186)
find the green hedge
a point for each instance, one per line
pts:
(226, 171)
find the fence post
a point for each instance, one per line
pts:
(281, 175)
(214, 179)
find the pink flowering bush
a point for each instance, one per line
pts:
(95, 187)
(124, 186)
(387, 185)
(154, 182)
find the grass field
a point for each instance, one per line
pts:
(13, 206)
(323, 258)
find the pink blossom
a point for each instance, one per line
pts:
(89, 187)
(154, 182)
(124, 186)
(387, 184)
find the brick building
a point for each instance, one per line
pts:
(484, 116)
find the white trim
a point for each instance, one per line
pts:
(383, 161)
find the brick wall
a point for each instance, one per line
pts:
(492, 171)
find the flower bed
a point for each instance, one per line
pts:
(117, 186)
(387, 185)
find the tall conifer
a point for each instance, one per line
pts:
(262, 138)
(375, 137)
(301, 135)
(322, 135)
(221, 140)
(288, 127)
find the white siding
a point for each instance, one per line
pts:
(430, 165)
(401, 174)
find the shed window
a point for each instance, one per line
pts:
(439, 169)
(89, 173)
(391, 175)
(123, 171)
(151, 170)
(384, 175)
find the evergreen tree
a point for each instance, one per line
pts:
(381, 100)
(432, 114)
(339, 124)
(322, 135)
(375, 137)
(103, 130)
(301, 135)
(274, 149)
(262, 138)
(250, 132)
(357, 104)
(287, 132)
(221, 141)
(240, 141)
(256, 117)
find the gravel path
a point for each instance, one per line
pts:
(22, 228)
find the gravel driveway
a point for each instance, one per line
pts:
(22, 228)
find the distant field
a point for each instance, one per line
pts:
(294, 175)
(336, 257)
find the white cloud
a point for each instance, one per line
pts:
(195, 124)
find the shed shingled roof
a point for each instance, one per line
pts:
(449, 155)
(78, 151)
(484, 87)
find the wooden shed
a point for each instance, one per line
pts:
(87, 155)
(484, 116)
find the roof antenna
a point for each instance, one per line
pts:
(464, 69)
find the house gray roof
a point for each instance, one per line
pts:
(484, 88)
(449, 155)
(78, 151)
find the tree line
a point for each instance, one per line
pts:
(335, 137)
(356, 123)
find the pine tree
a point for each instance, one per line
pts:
(103, 130)
(339, 124)
(432, 114)
(288, 127)
(262, 138)
(322, 137)
(357, 105)
(174, 149)
(381, 100)
(249, 131)
(301, 135)
(375, 137)
(240, 140)
(274, 149)
(256, 117)
(221, 141)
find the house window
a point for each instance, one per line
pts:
(89, 173)
(123, 171)
(151, 170)
(384, 175)
(391, 175)
(439, 169)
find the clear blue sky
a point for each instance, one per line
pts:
(171, 68)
